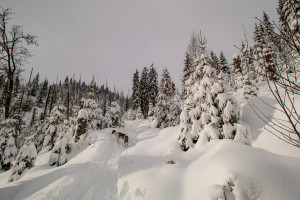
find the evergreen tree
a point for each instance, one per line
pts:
(187, 71)
(144, 92)
(17, 85)
(35, 85)
(24, 161)
(135, 98)
(211, 110)
(4, 92)
(42, 93)
(223, 63)
(54, 126)
(115, 115)
(153, 85)
(288, 11)
(8, 146)
(166, 114)
(214, 62)
(63, 145)
(92, 90)
(258, 51)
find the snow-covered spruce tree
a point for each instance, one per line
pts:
(8, 146)
(42, 93)
(265, 44)
(223, 63)
(289, 18)
(17, 86)
(245, 79)
(129, 115)
(187, 71)
(35, 85)
(115, 115)
(165, 102)
(55, 123)
(238, 72)
(249, 90)
(213, 113)
(138, 114)
(151, 112)
(214, 62)
(24, 161)
(63, 145)
(135, 97)
(153, 86)
(94, 120)
(174, 110)
(144, 92)
(258, 47)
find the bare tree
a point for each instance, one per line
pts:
(13, 53)
(283, 84)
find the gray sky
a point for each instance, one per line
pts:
(111, 38)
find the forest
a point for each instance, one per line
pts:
(39, 117)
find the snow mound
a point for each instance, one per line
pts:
(157, 169)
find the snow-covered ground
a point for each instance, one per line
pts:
(153, 167)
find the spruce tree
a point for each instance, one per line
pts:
(223, 63)
(24, 161)
(210, 112)
(55, 123)
(135, 97)
(8, 148)
(187, 71)
(153, 85)
(17, 86)
(35, 85)
(144, 92)
(214, 61)
(167, 104)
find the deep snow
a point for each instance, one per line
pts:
(155, 168)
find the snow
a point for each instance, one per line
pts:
(235, 56)
(154, 167)
(83, 114)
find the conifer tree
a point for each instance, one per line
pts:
(8, 148)
(17, 85)
(55, 123)
(35, 85)
(289, 19)
(24, 161)
(167, 104)
(210, 112)
(135, 97)
(144, 92)
(214, 62)
(63, 145)
(187, 71)
(223, 63)
(115, 115)
(153, 85)
(42, 93)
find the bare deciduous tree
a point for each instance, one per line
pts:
(13, 53)
(283, 84)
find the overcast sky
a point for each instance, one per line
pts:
(111, 38)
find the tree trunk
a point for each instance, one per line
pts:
(9, 95)
(47, 101)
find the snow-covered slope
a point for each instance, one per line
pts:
(155, 168)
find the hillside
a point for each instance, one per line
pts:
(154, 167)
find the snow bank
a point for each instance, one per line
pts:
(165, 172)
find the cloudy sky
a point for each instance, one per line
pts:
(109, 39)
